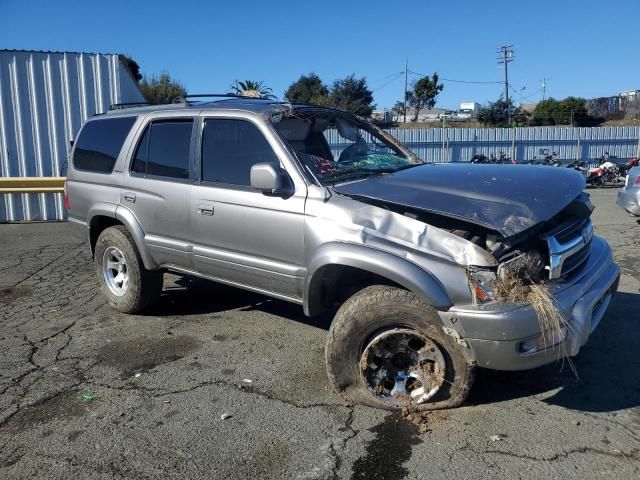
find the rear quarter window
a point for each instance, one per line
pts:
(100, 142)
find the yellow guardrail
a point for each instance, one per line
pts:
(32, 184)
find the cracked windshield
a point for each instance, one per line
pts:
(358, 151)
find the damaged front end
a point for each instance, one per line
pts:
(554, 249)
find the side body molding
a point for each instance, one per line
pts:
(130, 221)
(395, 268)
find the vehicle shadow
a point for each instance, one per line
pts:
(194, 296)
(607, 368)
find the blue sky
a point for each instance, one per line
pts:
(584, 48)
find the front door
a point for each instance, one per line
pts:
(244, 236)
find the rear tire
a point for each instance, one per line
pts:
(379, 316)
(127, 285)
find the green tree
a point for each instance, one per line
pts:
(161, 89)
(132, 65)
(570, 111)
(250, 88)
(352, 95)
(498, 113)
(307, 89)
(424, 93)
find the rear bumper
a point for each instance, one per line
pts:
(629, 199)
(495, 331)
(79, 229)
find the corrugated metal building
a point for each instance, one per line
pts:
(44, 99)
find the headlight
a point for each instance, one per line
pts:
(482, 284)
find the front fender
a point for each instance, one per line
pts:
(393, 267)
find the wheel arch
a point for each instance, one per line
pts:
(333, 259)
(105, 217)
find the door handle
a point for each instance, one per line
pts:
(130, 197)
(204, 209)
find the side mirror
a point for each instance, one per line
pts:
(267, 177)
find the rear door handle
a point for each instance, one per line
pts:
(130, 197)
(205, 209)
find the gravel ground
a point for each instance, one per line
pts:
(86, 392)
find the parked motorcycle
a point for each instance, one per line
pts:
(594, 177)
(624, 169)
(577, 165)
(551, 160)
(611, 173)
(479, 158)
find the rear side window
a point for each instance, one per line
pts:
(100, 142)
(163, 150)
(230, 148)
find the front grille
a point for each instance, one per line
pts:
(569, 245)
(574, 261)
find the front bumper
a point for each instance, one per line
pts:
(495, 331)
(629, 199)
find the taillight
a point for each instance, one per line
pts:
(66, 197)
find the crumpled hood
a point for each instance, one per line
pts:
(506, 198)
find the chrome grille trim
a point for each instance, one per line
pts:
(561, 251)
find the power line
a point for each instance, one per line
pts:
(452, 80)
(396, 76)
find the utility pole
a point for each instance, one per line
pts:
(404, 108)
(544, 88)
(505, 55)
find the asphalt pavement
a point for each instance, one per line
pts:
(216, 382)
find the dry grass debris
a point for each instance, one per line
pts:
(516, 285)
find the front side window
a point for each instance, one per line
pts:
(163, 150)
(100, 142)
(230, 148)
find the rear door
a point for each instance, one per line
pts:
(157, 186)
(243, 236)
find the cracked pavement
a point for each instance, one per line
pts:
(87, 392)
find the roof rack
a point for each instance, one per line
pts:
(185, 98)
(121, 106)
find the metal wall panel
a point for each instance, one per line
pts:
(460, 144)
(44, 99)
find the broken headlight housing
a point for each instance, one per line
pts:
(482, 284)
(525, 266)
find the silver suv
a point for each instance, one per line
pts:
(320, 208)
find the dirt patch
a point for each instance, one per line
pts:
(10, 294)
(143, 354)
(423, 420)
(63, 406)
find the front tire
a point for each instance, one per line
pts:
(387, 349)
(127, 285)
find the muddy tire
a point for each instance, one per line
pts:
(127, 285)
(382, 315)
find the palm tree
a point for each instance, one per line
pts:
(249, 88)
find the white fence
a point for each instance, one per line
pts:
(521, 144)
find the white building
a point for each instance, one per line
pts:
(44, 99)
